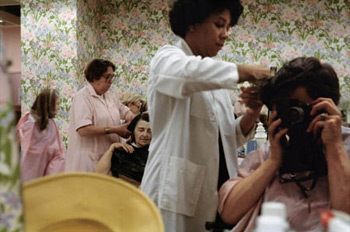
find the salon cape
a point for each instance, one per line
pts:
(42, 151)
(188, 106)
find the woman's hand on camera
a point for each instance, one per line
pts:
(275, 135)
(329, 121)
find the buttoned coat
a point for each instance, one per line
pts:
(189, 105)
(87, 109)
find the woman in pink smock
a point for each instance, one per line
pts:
(95, 117)
(305, 163)
(41, 144)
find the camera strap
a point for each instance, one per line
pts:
(305, 191)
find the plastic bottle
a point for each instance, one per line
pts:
(274, 208)
(267, 223)
(335, 221)
(272, 218)
(337, 225)
(260, 135)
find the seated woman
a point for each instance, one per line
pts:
(305, 164)
(41, 144)
(128, 160)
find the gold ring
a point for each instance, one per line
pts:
(323, 116)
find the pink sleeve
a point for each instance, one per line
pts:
(40, 150)
(58, 162)
(81, 111)
(248, 166)
(56, 165)
(20, 130)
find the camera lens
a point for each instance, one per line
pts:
(295, 115)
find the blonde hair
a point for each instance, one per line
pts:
(44, 107)
(128, 98)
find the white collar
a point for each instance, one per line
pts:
(184, 47)
(134, 144)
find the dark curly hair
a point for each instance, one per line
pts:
(185, 13)
(131, 127)
(96, 68)
(319, 80)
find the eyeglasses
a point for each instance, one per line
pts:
(109, 77)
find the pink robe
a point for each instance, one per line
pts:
(288, 193)
(42, 151)
(88, 108)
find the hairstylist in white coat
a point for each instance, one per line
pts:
(191, 115)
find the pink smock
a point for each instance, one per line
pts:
(89, 109)
(288, 193)
(42, 151)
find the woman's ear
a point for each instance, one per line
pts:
(191, 28)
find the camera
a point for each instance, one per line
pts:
(294, 113)
(302, 151)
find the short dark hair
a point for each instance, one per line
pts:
(143, 116)
(185, 13)
(44, 107)
(319, 80)
(96, 68)
(144, 106)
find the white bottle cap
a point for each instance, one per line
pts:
(268, 223)
(273, 208)
(260, 132)
(336, 225)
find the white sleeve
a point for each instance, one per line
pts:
(240, 138)
(178, 75)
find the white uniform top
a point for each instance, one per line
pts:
(188, 106)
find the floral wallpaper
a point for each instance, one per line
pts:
(132, 32)
(10, 202)
(272, 32)
(49, 53)
(88, 31)
(59, 37)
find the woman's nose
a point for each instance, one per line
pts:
(225, 34)
(145, 134)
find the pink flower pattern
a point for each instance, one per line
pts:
(129, 33)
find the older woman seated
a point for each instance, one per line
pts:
(305, 164)
(127, 160)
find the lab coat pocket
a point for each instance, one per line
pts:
(182, 184)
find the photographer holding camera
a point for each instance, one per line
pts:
(305, 164)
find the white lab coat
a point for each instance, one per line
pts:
(188, 106)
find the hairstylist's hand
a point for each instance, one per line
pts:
(122, 130)
(329, 122)
(250, 98)
(252, 72)
(275, 135)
